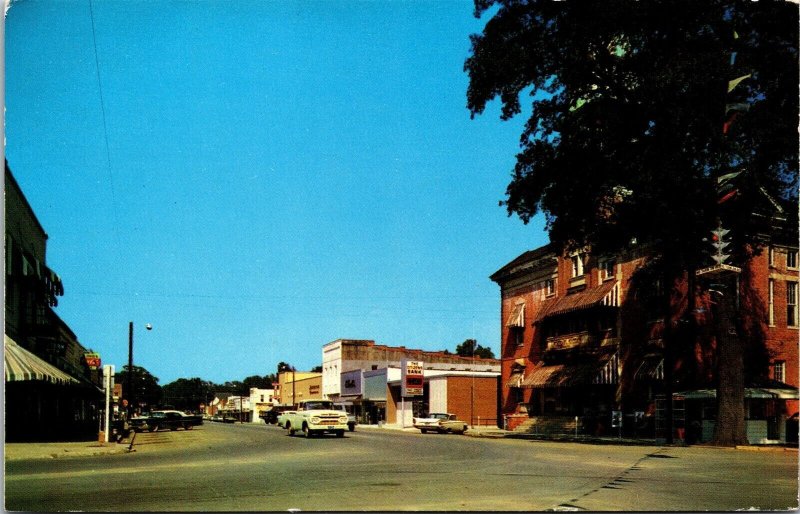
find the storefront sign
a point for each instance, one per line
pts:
(92, 360)
(412, 378)
(351, 383)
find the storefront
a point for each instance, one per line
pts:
(767, 421)
(45, 403)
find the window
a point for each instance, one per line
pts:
(779, 371)
(771, 302)
(550, 287)
(607, 268)
(791, 304)
(771, 256)
(577, 265)
(791, 259)
(519, 336)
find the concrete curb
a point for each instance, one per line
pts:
(30, 451)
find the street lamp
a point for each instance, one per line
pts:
(131, 394)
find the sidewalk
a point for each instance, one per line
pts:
(60, 450)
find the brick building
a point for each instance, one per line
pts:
(582, 339)
(40, 348)
(367, 376)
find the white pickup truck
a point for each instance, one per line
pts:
(314, 417)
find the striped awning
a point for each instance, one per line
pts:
(651, 368)
(604, 370)
(607, 294)
(517, 317)
(22, 365)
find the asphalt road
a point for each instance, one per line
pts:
(259, 468)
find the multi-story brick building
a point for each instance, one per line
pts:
(41, 404)
(582, 338)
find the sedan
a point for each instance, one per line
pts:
(441, 422)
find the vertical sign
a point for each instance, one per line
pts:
(412, 378)
(108, 385)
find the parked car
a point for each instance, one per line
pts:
(283, 417)
(163, 419)
(270, 417)
(441, 422)
(351, 418)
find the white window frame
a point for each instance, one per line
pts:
(771, 255)
(779, 371)
(608, 269)
(793, 255)
(576, 262)
(550, 287)
(771, 302)
(791, 304)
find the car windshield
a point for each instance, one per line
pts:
(319, 405)
(439, 415)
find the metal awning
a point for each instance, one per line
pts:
(787, 393)
(651, 368)
(22, 365)
(517, 317)
(515, 380)
(605, 294)
(599, 371)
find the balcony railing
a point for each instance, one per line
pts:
(581, 339)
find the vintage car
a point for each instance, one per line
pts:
(351, 418)
(316, 417)
(163, 419)
(441, 422)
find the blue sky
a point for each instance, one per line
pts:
(256, 179)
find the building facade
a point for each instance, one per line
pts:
(582, 344)
(296, 386)
(366, 376)
(42, 405)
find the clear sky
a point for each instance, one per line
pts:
(256, 179)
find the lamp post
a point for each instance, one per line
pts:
(131, 394)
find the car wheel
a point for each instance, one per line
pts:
(423, 430)
(152, 428)
(351, 427)
(187, 426)
(340, 433)
(307, 432)
(291, 430)
(449, 430)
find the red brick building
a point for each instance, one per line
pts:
(582, 341)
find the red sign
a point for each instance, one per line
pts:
(412, 378)
(92, 360)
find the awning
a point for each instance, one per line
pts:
(651, 368)
(605, 294)
(517, 317)
(600, 371)
(787, 393)
(22, 365)
(515, 380)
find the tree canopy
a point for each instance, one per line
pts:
(146, 389)
(471, 348)
(651, 122)
(639, 110)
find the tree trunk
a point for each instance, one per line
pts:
(730, 427)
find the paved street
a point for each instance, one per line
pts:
(259, 468)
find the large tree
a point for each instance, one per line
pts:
(147, 392)
(640, 113)
(188, 394)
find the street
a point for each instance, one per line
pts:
(245, 467)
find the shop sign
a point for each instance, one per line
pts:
(92, 360)
(412, 378)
